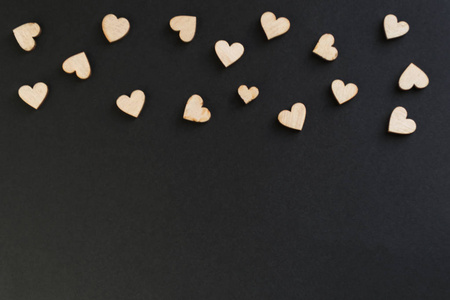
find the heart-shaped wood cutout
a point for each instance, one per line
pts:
(342, 92)
(114, 28)
(248, 94)
(295, 118)
(393, 28)
(325, 49)
(132, 105)
(399, 123)
(186, 25)
(274, 27)
(229, 54)
(78, 63)
(194, 110)
(25, 35)
(34, 96)
(413, 76)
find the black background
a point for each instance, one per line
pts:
(97, 205)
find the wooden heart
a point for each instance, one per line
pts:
(186, 25)
(342, 92)
(248, 94)
(295, 118)
(399, 123)
(132, 105)
(194, 110)
(325, 49)
(114, 28)
(393, 28)
(79, 64)
(274, 27)
(229, 54)
(34, 96)
(25, 35)
(413, 76)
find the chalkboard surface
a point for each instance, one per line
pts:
(97, 205)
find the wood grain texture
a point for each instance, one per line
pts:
(194, 110)
(186, 25)
(399, 124)
(132, 105)
(115, 28)
(25, 35)
(325, 49)
(413, 76)
(343, 92)
(79, 64)
(34, 96)
(274, 27)
(227, 54)
(394, 29)
(248, 94)
(295, 118)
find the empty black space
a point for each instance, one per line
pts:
(98, 205)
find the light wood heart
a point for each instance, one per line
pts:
(399, 123)
(248, 94)
(413, 76)
(342, 92)
(274, 27)
(34, 96)
(393, 28)
(25, 35)
(132, 105)
(114, 28)
(186, 25)
(79, 64)
(194, 110)
(229, 54)
(295, 118)
(325, 49)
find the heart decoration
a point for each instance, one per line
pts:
(229, 54)
(295, 118)
(399, 124)
(413, 76)
(342, 92)
(78, 64)
(34, 96)
(186, 25)
(194, 110)
(325, 49)
(393, 28)
(25, 35)
(248, 94)
(132, 105)
(114, 28)
(274, 27)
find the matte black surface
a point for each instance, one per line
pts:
(97, 205)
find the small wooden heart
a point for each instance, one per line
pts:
(342, 92)
(34, 96)
(132, 105)
(248, 94)
(274, 27)
(229, 54)
(393, 28)
(413, 76)
(186, 25)
(25, 35)
(399, 124)
(295, 118)
(325, 49)
(114, 28)
(79, 64)
(194, 110)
